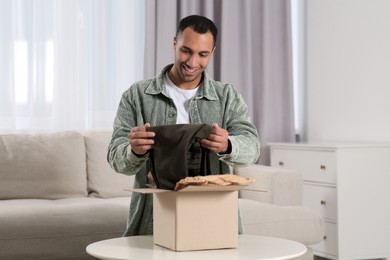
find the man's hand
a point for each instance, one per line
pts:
(140, 140)
(217, 141)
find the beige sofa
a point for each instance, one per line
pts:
(58, 194)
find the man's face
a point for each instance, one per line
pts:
(193, 52)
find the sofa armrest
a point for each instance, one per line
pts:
(282, 187)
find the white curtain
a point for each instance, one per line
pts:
(65, 63)
(254, 53)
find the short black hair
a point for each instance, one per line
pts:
(199, 24)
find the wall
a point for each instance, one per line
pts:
(347, 70)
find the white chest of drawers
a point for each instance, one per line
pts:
(349, 186)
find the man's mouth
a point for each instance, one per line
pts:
(189, 70)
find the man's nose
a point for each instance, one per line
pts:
(192, 61)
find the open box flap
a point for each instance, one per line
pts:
(196, 188)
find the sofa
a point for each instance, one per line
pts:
(58, 194)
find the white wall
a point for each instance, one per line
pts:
(348, 70)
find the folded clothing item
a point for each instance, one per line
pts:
(169, 156)
(221, 179)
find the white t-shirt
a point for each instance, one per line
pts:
(181, 98)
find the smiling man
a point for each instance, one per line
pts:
(183, 93)
(193, 51)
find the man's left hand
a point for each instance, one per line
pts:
(217, 141)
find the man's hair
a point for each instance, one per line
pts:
(199, 24)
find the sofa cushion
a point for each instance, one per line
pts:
(282, 186)
(45, 166)
(290, 222)
(58, 229)
(103, 181)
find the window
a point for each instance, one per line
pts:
(65, 63)
(298, 35)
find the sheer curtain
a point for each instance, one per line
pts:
(65, 63)
(254, 53)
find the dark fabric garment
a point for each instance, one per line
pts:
(177, 153)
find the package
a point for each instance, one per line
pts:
(196, 217)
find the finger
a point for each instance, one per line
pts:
(218, 135)
(140, 128)
(218, 130)
(215, 126)
(141, 150)
(141, 141)
(141, 146)
(209, 144)
(141, 135)
(141, 132)
(213, 149)
(213, 137)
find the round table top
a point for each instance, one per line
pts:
(142, 247)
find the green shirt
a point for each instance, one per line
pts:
(148, 101)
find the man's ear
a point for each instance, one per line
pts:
(213, 49)
(174, 41)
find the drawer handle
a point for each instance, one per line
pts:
(323, 202)
(323, 167)
(281, 163)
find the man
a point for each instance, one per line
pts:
(183, 93)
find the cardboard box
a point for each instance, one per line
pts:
(196, 217)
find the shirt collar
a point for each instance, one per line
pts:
(206, 87)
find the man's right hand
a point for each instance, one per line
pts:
(140, 140)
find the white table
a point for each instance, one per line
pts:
(142, 247)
